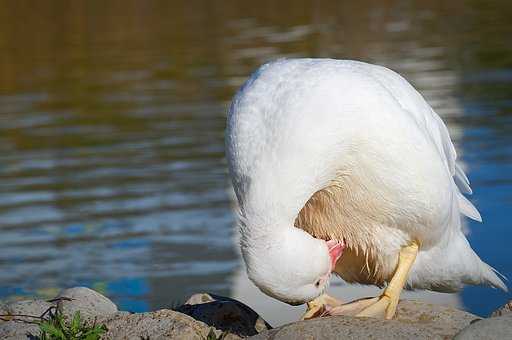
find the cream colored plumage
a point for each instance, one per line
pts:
(346, 151)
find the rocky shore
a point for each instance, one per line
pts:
(211, 317)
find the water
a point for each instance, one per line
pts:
(112, 170)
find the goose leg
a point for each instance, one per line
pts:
(388, 301)
(320, 306)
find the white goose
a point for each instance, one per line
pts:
(341, 166)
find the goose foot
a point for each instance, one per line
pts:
(353, 308)
(320, 306)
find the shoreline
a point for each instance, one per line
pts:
(207, 316)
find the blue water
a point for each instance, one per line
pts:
(487, 143)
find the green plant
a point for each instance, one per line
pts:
(57, 328)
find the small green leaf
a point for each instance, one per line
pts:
(60, 322)
(52, 330)
(58, 328)
(75, 323)
(95, 332)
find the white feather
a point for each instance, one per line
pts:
(468, 209)
(462, 180)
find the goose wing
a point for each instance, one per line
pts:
(412, 101)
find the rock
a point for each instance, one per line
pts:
(91, 304)
(505, 309)
(15, 330)
(199, 298)
(224, 314)
(446, 320)
(498, 327)
(162, 324)
(348, 327)
(19, 313)
(414, 320)
(229, 319)
(27, 307)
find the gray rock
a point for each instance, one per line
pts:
(414, 320)
(499, 327)
(162, 324)
(22, 315)
(27, 307)
(446, 321)
(224, 314)
(91, 304)
(348, 327)
(15, 330)
(505, 309)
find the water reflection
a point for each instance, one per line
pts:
(111, 131)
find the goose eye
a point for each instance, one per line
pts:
(317, 283)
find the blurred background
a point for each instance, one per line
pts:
(112, 114)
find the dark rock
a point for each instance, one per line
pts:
(224, 314)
